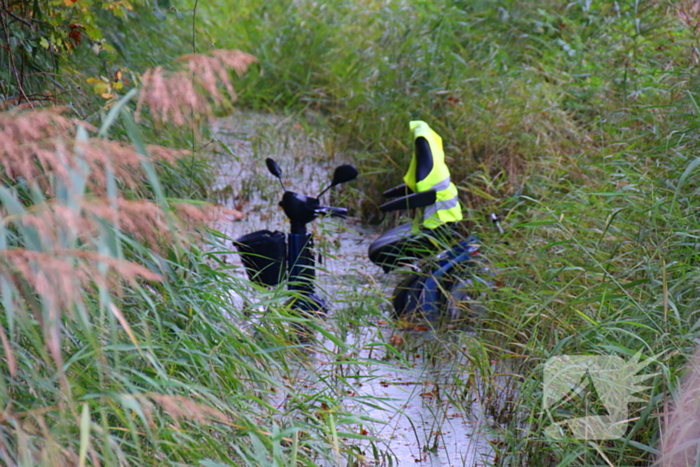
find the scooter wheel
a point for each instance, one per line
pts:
(407, 295)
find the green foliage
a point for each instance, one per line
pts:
(55, 51)
(122, 341)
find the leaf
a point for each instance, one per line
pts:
(84, 435)
(112, 115)
(125, 324)
(44, 43)
(101, 88)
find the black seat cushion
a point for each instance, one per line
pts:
(401, 244)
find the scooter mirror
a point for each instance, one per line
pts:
(275, 170)
(273, 167)
(344, 173)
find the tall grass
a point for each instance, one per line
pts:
(121, 339)
(504, 84)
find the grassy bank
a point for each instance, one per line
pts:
(506, 85)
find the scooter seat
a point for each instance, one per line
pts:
(402, 244)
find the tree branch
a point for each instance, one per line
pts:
(18, 18)
(13, 65)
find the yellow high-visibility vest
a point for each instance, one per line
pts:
(446, 207)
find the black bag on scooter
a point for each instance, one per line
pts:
(264, 255)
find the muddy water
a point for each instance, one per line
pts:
(415, 403)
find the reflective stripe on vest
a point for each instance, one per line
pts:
(440, 205)
(443, 185)
(445, 210)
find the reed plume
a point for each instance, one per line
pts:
(53, 240)
(177, 97)
(680, 438)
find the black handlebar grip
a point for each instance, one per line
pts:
(339, 212)
(332, 211)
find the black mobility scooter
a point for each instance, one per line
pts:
(445, 273)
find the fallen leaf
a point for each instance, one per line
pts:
(396, 340)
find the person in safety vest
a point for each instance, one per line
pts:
(428, 171)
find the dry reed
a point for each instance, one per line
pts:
(681, 437)
(39, 148)
(179, 408)
(177, 97)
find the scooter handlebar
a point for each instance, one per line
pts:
(331, 211)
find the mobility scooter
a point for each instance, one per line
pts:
(446, 274)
